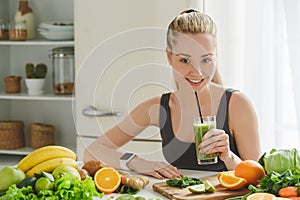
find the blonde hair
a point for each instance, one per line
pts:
(192, 21)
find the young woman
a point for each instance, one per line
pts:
(191, 52)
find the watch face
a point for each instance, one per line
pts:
(126, 156)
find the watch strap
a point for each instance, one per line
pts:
(123, 162)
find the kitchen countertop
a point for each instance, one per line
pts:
(147, 192)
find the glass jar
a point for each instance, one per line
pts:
(3, 30)
(24, 13)
(18, 31)
(63, 70)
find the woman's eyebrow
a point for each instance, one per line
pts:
(209, 54)
(183, 54)
(187, 55)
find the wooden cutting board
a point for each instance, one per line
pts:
(175, 193)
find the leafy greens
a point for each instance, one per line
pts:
(64, 188)
(274, 181)
(183, 182)
(280, 160)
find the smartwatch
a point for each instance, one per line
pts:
(125, 159)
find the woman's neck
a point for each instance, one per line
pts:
(187, 98)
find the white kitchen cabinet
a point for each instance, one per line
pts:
(47, 108)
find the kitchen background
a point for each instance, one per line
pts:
(47, 108)
(115, 72)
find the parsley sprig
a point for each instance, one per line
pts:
(183, 182)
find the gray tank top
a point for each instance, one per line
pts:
(183, 154)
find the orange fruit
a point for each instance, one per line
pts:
(225, 172)
(250, 170)
(231, 182)
(261, 196)
(107, 180)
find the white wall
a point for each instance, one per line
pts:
(228, 16)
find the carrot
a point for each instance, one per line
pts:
(291, 191)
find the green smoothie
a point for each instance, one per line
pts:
(200, 129)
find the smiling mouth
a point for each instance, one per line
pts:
(195, 81)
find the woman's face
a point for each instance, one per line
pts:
(193, 58)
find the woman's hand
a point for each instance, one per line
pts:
(159, 170)
(216, 141)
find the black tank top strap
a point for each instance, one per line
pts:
(222, 115)
(164, 110)
(222, 118)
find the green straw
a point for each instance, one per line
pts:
(198, 105)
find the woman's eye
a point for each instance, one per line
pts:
(185, 60)
(206, 60)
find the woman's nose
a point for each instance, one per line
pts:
(196, 70)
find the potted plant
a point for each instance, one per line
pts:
(35, 78)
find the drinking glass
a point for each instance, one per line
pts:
(200, 128)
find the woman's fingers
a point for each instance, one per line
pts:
(170, 172)
(167, 170)
(159, 175)
(163, 170)
(215, 141)
(154, 174)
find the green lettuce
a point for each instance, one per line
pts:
(24, 193)
(65, 188)
(280, 160)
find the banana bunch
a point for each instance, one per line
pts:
(46, 159)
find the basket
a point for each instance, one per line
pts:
(12, 84)
(12, 134)
(41, 135)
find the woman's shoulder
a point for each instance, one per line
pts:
(238, 97)
(236, 94)
(239, 101)
(151, 101)
(156, 100)
(150, 105)
(148, 111)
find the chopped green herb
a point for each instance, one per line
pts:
(183, 182)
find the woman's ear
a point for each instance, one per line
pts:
(169, 55)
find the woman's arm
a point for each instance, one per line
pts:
(244, 127)
(105, 148)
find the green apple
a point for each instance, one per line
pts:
(60, 170)
(10, 175)
(43, 183)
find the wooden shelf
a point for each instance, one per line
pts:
(36, 42)
(48, 107)
(26, 150)
(43, 97)
(10, 160)
(21, 151)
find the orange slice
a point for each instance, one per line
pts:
(107, 180)
(232, 182)
(225, 172)
(261, 196)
